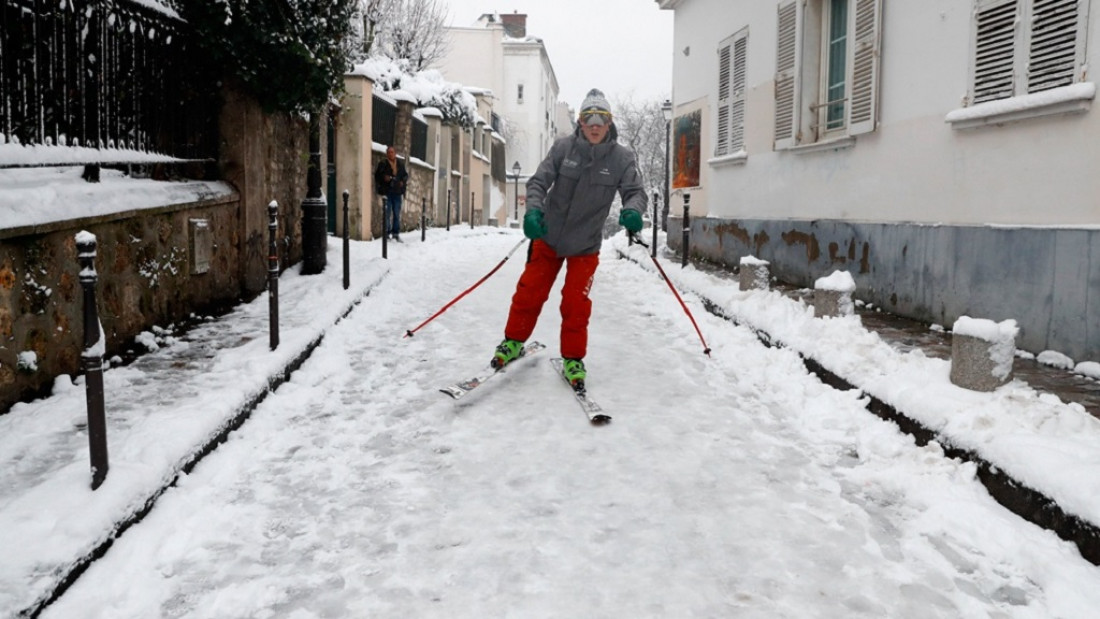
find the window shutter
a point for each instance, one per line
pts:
(995, 40)
(732, 64)
(1053, 53)
(785, 66)
(865, 64)
(722, 144)
(737, 96)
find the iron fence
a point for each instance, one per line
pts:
(419, 136)
(103, 74)
(383, 121)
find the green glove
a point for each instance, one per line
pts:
(533, 225)
(631, 220)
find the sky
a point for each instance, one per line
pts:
(623, 47)
(735, 485)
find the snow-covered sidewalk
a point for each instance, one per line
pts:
(162, 411)
(737, 485)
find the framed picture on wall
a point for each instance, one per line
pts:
(686, 140)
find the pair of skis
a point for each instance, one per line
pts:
(589, 406)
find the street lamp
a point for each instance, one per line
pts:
(666, 111)
(515, 174)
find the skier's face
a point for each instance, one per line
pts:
(595, 133)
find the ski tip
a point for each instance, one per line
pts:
(601, 420)
(454, 393)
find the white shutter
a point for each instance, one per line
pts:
(865, 66)
(737, 94)
(785, 71)
(1053, 54)
(722, 143)
(994, 46)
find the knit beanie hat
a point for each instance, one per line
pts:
(595, 101)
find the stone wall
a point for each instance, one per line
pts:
(145, 278)
(265, 156)
(143, 259)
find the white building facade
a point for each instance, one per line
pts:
(941, 151)
(498, 55)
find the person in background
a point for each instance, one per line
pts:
(568, 199)
(390, 178)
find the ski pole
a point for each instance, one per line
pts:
(706, 349)
(467, 291)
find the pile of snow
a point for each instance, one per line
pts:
(839, 281)
(427, 88)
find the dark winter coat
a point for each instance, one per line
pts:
(574, 187)
(386, 183)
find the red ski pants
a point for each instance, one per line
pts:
(543, 265)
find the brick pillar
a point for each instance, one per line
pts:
(402, 138)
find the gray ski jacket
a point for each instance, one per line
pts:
(574, 187)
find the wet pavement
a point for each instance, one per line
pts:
(905, 334)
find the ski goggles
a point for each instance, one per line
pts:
(595, 117)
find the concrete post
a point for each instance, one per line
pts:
(755, 273)
(982, 353)
(833, 295)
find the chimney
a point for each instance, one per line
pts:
(515, 25)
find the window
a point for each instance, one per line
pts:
(1026, 46)
(835, 61)
(827, 65)
(732, 61)
(519, 93)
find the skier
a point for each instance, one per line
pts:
(568, 199)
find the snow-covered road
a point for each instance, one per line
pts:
(731, 486)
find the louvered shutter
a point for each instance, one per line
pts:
(1056, 46)
(737, 96)
(722, 143)
(995, 42)
(863, 111)
(732, 64)
(785, 71)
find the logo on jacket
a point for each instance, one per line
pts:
(604, 172)
(569, 163)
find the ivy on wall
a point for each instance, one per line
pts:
(290, 54)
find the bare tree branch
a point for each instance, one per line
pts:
(641, 128)
(370, 15)
(414, 32)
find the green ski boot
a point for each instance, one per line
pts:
(507, 352)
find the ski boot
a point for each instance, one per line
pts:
(573, 369)
(507, 352)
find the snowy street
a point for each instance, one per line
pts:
(732, 486)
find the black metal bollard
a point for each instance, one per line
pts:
(385, 227)
(687, 230)
(653, 247)
(347, 243)
(273, 273)
(448, 210)
(314, 208)
(92, 359)
(423, 220)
